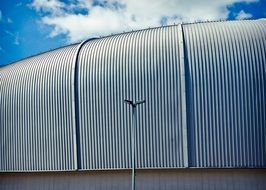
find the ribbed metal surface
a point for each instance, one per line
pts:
(36, 130)
(226, 93)
(205, 92)
(136, 66)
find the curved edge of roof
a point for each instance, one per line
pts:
(132, 31)
(40, 53)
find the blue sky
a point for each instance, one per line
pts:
(32, 26)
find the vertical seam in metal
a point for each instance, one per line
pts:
(183, 94)
(75, 105)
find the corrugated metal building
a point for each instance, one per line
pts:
(203, 125)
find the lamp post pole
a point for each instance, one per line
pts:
(133, 138)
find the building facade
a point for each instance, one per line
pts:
(64, 124)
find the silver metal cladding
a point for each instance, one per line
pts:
(205, 92)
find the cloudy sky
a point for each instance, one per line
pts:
(32, 26)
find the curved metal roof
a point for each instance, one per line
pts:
(226, 72)
(36, 124)
(204, 86)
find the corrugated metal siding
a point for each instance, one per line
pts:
(138, 65)
(211, 92)
(227, 95)
(36, 130)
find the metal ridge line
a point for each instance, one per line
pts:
(183, 93)
(75, 105)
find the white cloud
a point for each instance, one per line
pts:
(14, 36)
(51, 6)
(16, 39)
(1, 49)
(19, 4)
(243, 15)
(80, 19)
(9, 33)
(9, 20)
(4, 19)
(76, 27)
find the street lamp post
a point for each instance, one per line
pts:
(133, 137)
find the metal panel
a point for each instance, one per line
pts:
(209, 86)
(188, 179)
(183, 93)
(75, 97)
(137, 65)
(36, 131)
(227, 93)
